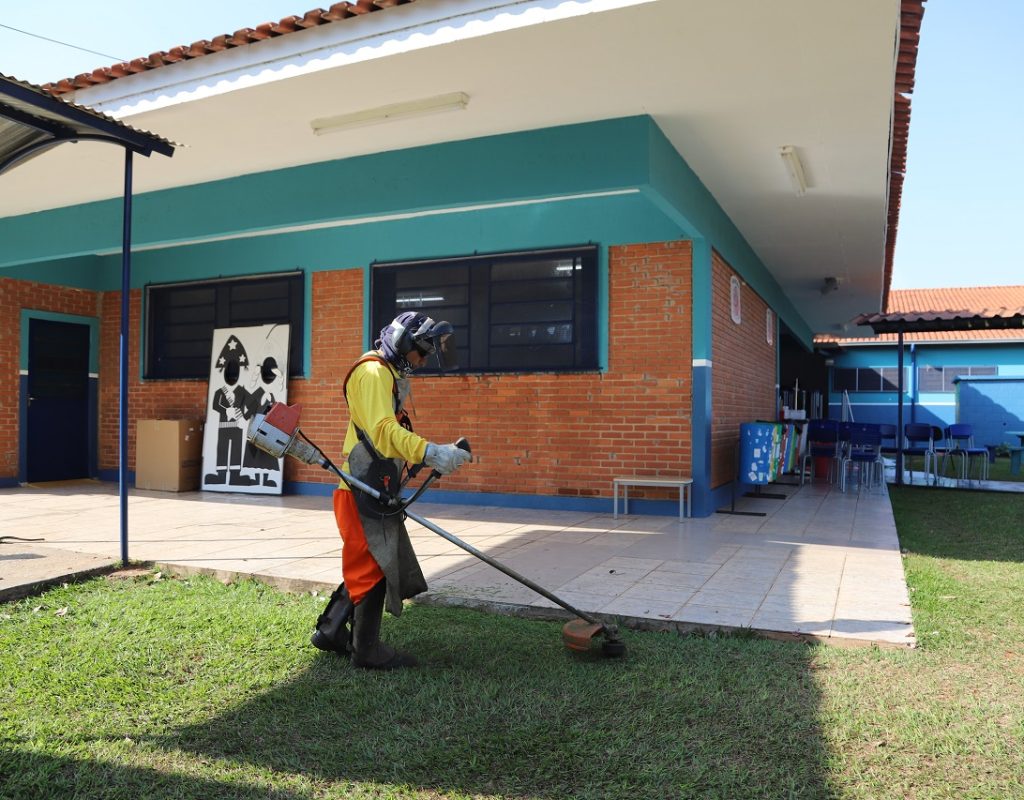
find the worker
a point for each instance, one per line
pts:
(379, 566)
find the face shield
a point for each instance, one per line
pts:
(437, 339)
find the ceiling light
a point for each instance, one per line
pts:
(420, 299)
(455, 101)
(795, 168)
(830, 285)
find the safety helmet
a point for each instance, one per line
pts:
(409, 331)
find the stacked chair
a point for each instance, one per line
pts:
(863, 450)
(960, 446)
(888, 433)
(920, 441)
(822, 442)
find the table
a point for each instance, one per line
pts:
(683, 484)
(1016, 452)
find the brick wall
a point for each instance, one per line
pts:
(150, 400)
(545, 434)
(16, 295)
(743, 369)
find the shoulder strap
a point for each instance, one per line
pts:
(371, 356)
(362, 360)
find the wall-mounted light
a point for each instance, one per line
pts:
(796, 169)
(455, 101)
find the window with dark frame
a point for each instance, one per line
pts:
(530, 311)
(940, 379)
(867, 379)
(181, 318)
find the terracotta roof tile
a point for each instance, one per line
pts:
(225, 41)
(988, 304)
(975, 299)
(911, 14)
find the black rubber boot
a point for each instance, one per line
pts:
(368, 651)
(333, 627)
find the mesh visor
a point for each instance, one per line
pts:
(437, 338)
(447, 355)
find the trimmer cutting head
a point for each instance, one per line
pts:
(577, 635)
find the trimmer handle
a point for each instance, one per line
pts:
(460, 443)
(463, 444)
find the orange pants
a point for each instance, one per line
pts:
(358, 567)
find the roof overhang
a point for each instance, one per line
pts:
(33, 121)
(728, 90)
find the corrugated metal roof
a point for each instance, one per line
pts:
(953, 320)
(226, 41)
(32, 121)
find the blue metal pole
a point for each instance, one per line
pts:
(126, 280)
(899, 407)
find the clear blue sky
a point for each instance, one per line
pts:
(961, 210)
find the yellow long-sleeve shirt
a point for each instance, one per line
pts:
(371, 405)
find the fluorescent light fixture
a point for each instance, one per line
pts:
(455, 101)
(435, 299)
(795, 168)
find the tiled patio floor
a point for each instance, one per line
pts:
(820, 564)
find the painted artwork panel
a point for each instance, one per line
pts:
(248, 374)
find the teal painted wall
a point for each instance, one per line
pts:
(608, 220)
(592, 157)
(937, 408)
(1009, 355)
(684, 197)
(607, 156)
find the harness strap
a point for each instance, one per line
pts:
(400, 415)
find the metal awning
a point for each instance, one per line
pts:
(32, 122)
(918, 321)
(950, 320)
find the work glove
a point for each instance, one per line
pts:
(445, 458)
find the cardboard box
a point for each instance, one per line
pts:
(168, 454)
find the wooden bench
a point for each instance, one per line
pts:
(684, 485)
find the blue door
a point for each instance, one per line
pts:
(58, 401)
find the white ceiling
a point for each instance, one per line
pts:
(728, 82)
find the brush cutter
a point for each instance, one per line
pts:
(277, 433)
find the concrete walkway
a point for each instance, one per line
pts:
(820, 564)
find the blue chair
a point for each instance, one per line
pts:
(822, 442)
(865, 452)
(960, 437)
(888, 433)
(920, 441)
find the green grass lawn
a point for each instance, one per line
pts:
(999, 470)
(150, 687)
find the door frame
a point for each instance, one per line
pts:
(92, 400)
